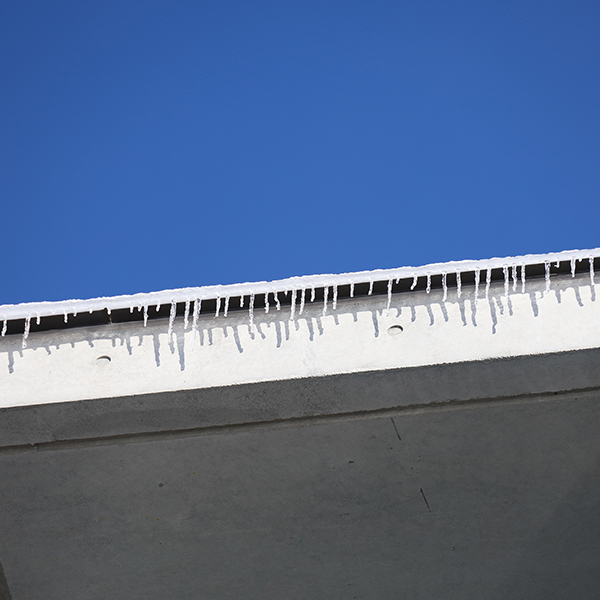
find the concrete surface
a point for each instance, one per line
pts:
(320, 458)
(492, 496)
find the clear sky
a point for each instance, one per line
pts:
(156, 144)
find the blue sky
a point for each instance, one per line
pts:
(157, 144)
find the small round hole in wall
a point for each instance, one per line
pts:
(395, 330)
(102, 361)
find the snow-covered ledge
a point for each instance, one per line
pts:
(300, 327)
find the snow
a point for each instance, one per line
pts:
(509, 265)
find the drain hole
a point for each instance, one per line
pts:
(102, 360)
(395, 330)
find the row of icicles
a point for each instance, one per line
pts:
(510, 273)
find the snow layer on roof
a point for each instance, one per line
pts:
(512, 267)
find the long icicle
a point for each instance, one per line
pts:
(458, 284)
(195, 315)
(389, 296)
(477, 280)
(26, 332)
(506, 280)
(335, 296)
(4, 326)
(186, 315)
(172, 315)
(267, 302)
(325, 296)
(302, 300)
(218, 310)
(488, 281)
(592, 283)
(547, 275)
(293, 305)
(251, 311)
(226, 307)
(428, 288)
(444, 286)
(522, 279)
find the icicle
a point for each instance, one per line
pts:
(26, 332)
(195, 315)
(325, 296)
(302, 300)
(4, 326)
(370, 287)
(335, 296)
(241, 301)
(108, 310)
(38, 319)
(414, 282)
(226, 307)
(312, 294)
(506, 280)
(172, 315)
(428, 288)
(293, 307)
(130, 309)
(522, 279)
(458, 284)
(277, 303)
(218, 307)
(352, 290)
(444, 287)
(557, 264)
(572, 267)
(389, 296)
(267, 302)
(145, 315)
(251, 311)
(67, 317)
(488, 281)
(477, 280)
(157, 308)
(591, 259)
(186, 315)
(514, 277)
(547, 275)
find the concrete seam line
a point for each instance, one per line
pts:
(397, 411)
